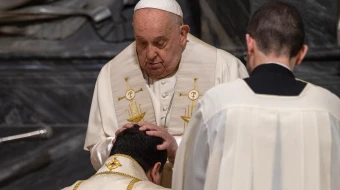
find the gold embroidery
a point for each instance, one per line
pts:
(128, 157)
(134, 111)
(193, 95)
(132, 183)
(113, 164)
(108, 172)
(77, 185)
(117, 173)
(113, 172)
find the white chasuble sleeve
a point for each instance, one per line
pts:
(102, 121)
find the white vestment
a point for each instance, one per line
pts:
(239, 140)
(120, 172)
(202, 66)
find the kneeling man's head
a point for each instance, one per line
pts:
(143, 149)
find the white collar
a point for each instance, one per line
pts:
(125, 165)
(283, 65)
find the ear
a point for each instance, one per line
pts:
(184, 30)
(250, 44)
(155, 173)
(301, 54)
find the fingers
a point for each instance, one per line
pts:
(168, 139)
(151, 127)
(164, 146)
(129, 125)
(160, 134)
(126, 126)
(120, 130)
(142, 123)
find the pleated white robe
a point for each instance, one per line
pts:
(238, 140)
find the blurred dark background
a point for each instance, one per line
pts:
(49, 64)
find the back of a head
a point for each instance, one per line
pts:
(277, 28)
(141, 147)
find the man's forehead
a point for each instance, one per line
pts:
(156, 38)
(150, 24)
(152, 19)
(151, 12)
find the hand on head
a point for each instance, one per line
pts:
(126, 126)
(168, 144)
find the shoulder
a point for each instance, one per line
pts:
(326, 94)
(229, 63)
(226, 89)
(222, 54)
(196, 41)
(125, 55)
(325, 99)
(148, 185)
(221, 95)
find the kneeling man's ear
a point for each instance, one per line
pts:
(156, 173)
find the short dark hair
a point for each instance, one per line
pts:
(141, 147)
(277, 28)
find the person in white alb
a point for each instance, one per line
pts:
(156, 80)
(269, 131)
(135, 163)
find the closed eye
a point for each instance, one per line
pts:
(160, 44)
(142, 44)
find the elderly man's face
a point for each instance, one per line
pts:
(160, 40)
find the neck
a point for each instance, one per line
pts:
(149, 77)
(261, 58)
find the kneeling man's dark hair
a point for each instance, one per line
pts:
(141, 147)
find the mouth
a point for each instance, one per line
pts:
(154, 65)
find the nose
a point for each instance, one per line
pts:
(151, 52)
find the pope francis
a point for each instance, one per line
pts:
(269, 131)
(156, 80)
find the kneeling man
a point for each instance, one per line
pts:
(135, 164)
